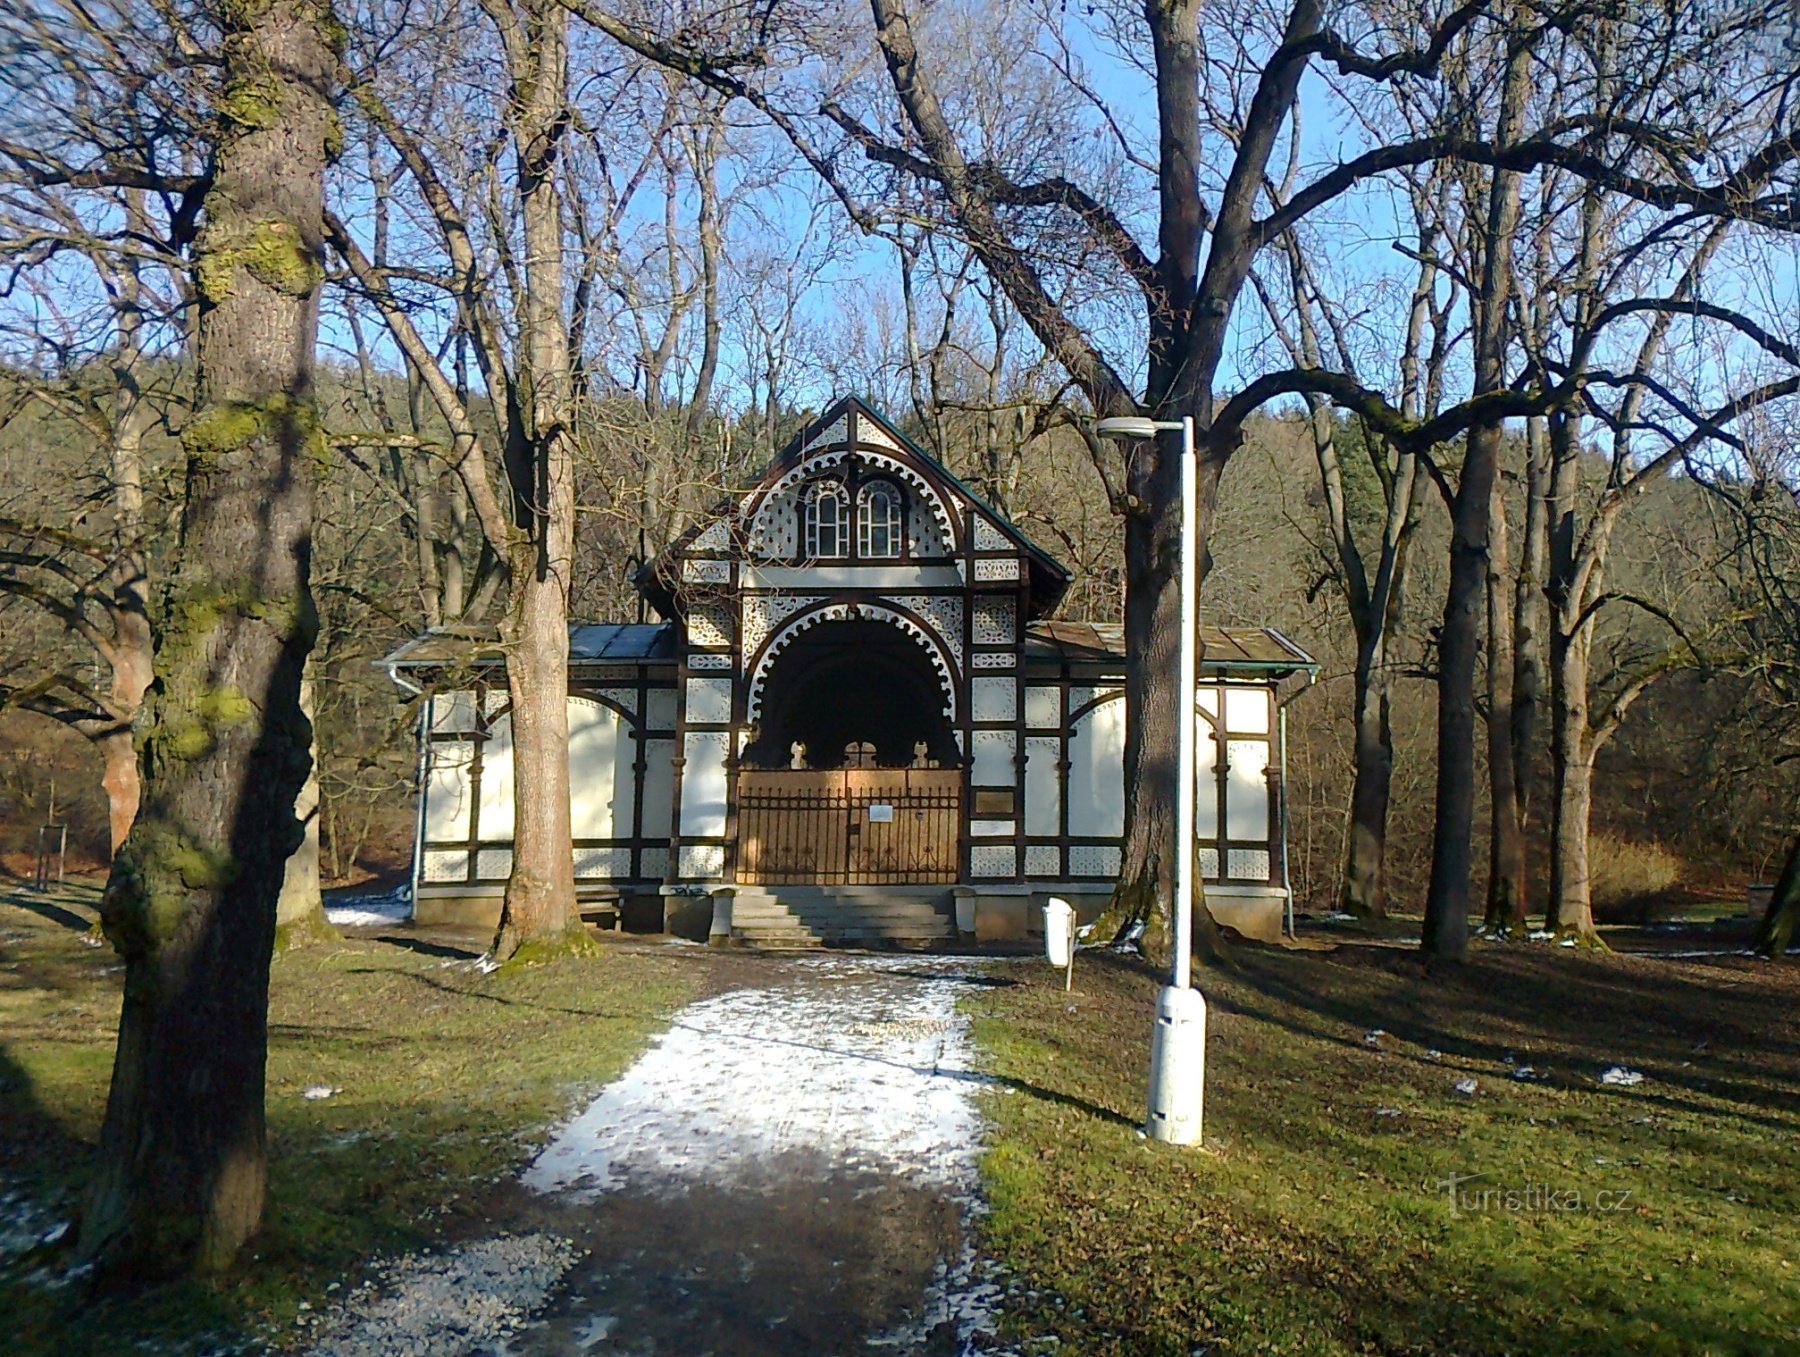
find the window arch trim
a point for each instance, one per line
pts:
(880, 531)
(825, 521)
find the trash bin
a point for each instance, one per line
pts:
(1059, 931)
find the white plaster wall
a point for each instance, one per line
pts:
(1043, 786)
(496, 817)
(1247, 789)
(447, 788)
(703, 784)
(601, 778)
(1097, 772)
(659, 787)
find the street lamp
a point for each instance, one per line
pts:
(1178, 1043)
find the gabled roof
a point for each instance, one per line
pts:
(589, 643)
(657, 579)
(1229, 650)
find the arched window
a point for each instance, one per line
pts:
(824, 515)
(878, 521)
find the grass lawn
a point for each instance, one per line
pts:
(1661, 1218)
(447, 1078)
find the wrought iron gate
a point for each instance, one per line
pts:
(852, 827)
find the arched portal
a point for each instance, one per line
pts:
(852, 682)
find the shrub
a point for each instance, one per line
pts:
(1629, 880)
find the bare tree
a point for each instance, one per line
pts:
(191, 901)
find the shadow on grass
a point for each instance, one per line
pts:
(424, 948)
(1702, 1040)
(48, 909)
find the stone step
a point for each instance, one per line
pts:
(865, 929)
(776, 912)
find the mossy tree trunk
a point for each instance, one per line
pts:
(190, 904)
(539, 913)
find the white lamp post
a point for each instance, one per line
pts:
(1178, 1044)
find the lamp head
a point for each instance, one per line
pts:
(1134, 426)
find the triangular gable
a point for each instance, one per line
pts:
(849, 425)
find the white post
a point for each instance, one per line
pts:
(1178, 1045)
(1187, 697)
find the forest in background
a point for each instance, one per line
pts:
(1693, 795)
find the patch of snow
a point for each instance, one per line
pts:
(881, 1064)
(1620, 1077)
(1374, 1037)
(1527, 1074)
(597, 1330)
(1541, 935)
(318, 1092)
(1697, 952)
(876, 1069)
(465, 1301)
(24, 1224)
(371, 911)
(1387, 1111)
(1467, 1087)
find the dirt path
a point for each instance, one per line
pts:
(790, 1170)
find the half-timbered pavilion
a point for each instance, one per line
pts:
(857, 722)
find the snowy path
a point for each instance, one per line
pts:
(790, 1169)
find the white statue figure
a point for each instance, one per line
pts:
(797, 755)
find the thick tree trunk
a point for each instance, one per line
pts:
(1776, 931)
(1506, 855)
(539, 914)
(1364, 891)
(1531, 623)
(1152, 634)
(1571, 909)
(1446, 930)
(191, 902)
(300, 908)
(1152, 638)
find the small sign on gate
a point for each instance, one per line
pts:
(881, 814)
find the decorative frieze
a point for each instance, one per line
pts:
(709, 625)
(709, 701)
(1248, 864)
(716, 537)
(706, 572)
(994, 699)
(445, 864)
(943, 613)
(991, 860)
(994, 569)
(1095, 860)
(764, 612)
(603, 864)
(701, 861)
(996, 621)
